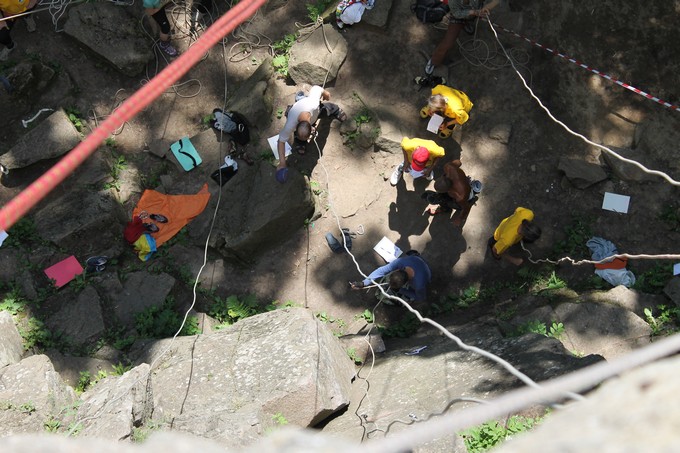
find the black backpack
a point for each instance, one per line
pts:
(430, 11)
(234, 124)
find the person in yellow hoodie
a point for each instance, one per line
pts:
(10, 8)
(518, 227)
(420, 157)
(452, 104)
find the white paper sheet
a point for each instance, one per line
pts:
(273, 144)
(615, 202)
(387, 250)
(676, 269)
(3, 236)
(435, 122)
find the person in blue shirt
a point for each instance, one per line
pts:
(407, 276)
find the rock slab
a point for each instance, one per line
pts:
(317, 59)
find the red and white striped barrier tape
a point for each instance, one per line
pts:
(593, 70)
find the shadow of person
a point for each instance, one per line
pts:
(405, 215)
(447, 243)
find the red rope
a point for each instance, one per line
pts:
(30, 196)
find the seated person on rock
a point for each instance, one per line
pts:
(300, 118)
(452, 104)
(454, 190)
(408, 277)
(518, 227)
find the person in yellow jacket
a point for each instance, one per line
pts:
(518, 227)
(420, 157)
(9, 8)
(452, 104)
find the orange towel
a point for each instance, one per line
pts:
(179, 209)
(616, 263)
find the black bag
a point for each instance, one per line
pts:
(430, 11)
(223, 174)
(234, 124)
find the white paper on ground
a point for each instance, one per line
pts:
(387, 250)
(3, 236)
(435, 122)
(676, 269)
(273, 144)
(615, 202)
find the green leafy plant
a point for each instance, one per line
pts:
(27, 408)
(404, 328)
(13, 303)
(577, 234)
(654, 279)
(116, 166)
(79, 282)
(120, 369)
(110, 142)
(22, 233)
(206, 119)
(282, 52)
(666, 322)
(158, 322)
(367, 315)
(316, 10)
(75, 117)
(487, 435)
(556, 329)
(37, 335)
(228, 311)
(84, 382)
(52, 425)
(352, 354)
(323, 317)
(279, 419)
(279, 114)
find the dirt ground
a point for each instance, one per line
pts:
(353, 182)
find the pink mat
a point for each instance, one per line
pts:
(64, 271)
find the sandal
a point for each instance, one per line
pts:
(150, 227)
(342, 116)
(159, 218)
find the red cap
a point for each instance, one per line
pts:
(420, 157)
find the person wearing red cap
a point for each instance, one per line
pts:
(420, 157)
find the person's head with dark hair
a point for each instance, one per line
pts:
(303, 131)
(442, 184)
(398, 279)
(530, 231)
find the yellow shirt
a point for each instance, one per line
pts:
(506, 235)
(458, 104)
(410, 144)
(11, 7)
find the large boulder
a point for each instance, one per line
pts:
(30, 77)
(98, 25)
(11, 344)
(317, 59)
(637, 411)
(593, 328)
(53, 137)
(416, 384)
(32, 393)
(284, 364)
